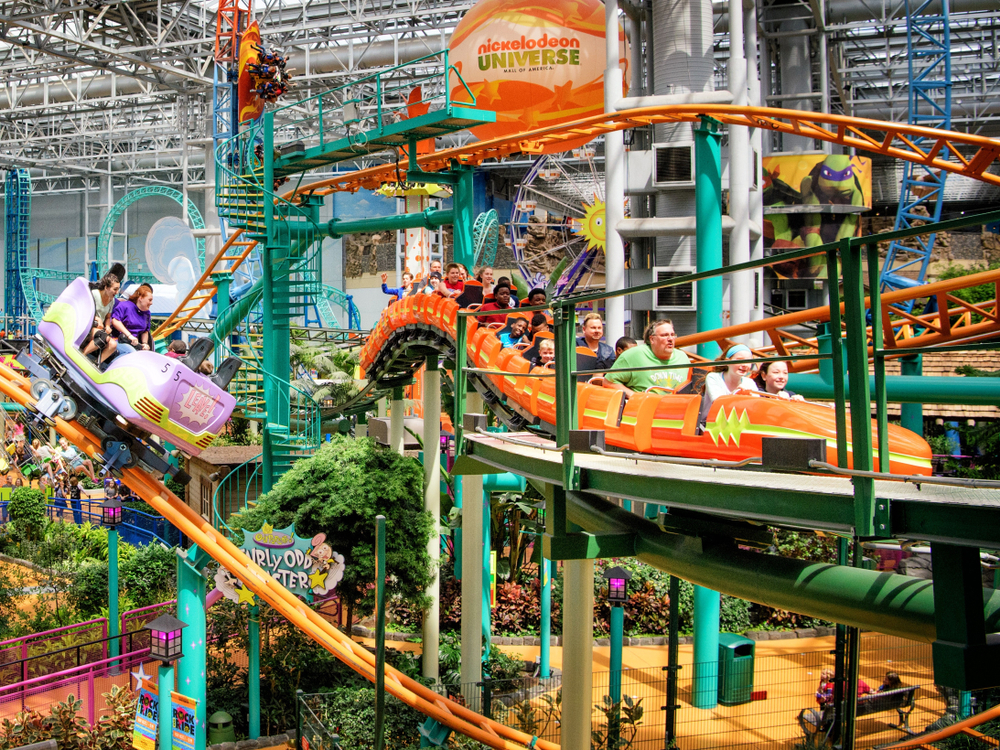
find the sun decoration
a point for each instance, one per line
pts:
(592, 226)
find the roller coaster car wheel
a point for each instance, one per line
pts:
(68, 409)
(133, 459)
(38, 387)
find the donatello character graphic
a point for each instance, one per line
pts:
(831, 182)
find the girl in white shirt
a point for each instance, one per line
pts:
(727, 379)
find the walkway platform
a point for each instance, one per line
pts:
(929, 512)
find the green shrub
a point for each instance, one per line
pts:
(149, 575)
(89, 592)
(351, 712)
(27, 512)
(339, 491)
(502, 667)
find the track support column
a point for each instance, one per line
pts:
(472, 568)
(396, 420)
(578, 653)
(708, 246)
(432, 504)
(191, 609)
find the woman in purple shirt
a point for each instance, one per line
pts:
(131, 320)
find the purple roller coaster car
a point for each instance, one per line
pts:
(155, 393)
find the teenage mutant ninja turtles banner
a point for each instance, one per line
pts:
(809, 200)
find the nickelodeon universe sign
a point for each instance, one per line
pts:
(528, 52)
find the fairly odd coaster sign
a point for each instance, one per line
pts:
(307, 567)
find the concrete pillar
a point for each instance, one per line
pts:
(740, 284)
(396, 420)
(472, 576)
(578, 652)
(432, 504)
(614, 182)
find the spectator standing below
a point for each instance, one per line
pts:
(131, 320)
(623, 345)
(501, 302)
(593, 331)
(398, 292)
(727, 379)
(772, 378)
(104, 301)
(658, 350)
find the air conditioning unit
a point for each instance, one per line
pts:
(673, 165)
(674, 298)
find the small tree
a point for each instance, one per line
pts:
(27, 512)
(339, 491)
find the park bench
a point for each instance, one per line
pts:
(900, 700)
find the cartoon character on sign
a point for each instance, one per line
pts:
(226, 583)
(328, 566)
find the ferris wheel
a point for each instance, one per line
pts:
(557, 222)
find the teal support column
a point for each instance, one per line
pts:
(465, 251)
(164, 684)
(545, 654)
(192, 666)
(708, 251)
(223, 282)
(253, 671)
(615, 675)
(708, 232)
(506, 482)
(911, 415)
(114, 621)
(706, 648)
(457, 533)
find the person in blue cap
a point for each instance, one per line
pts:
(727, 379)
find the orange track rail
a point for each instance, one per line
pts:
(963, 727)
(205, 289)
(942, 150)
(354, 655)
(953, 323)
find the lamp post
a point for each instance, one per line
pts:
(618, 579)
(165, 645)
(111, 517)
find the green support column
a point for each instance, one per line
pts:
(277, 332)
(114, 621)
(191, 609)
(223, 281)
(465, 250)
(911, 415)
(164, 684)
(862, 455)
(708, 251)
(253, 671)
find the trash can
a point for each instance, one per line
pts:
(220, 728)
(736, 656)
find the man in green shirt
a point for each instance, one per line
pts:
(658, 350)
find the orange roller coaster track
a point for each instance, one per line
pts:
(957, 153)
